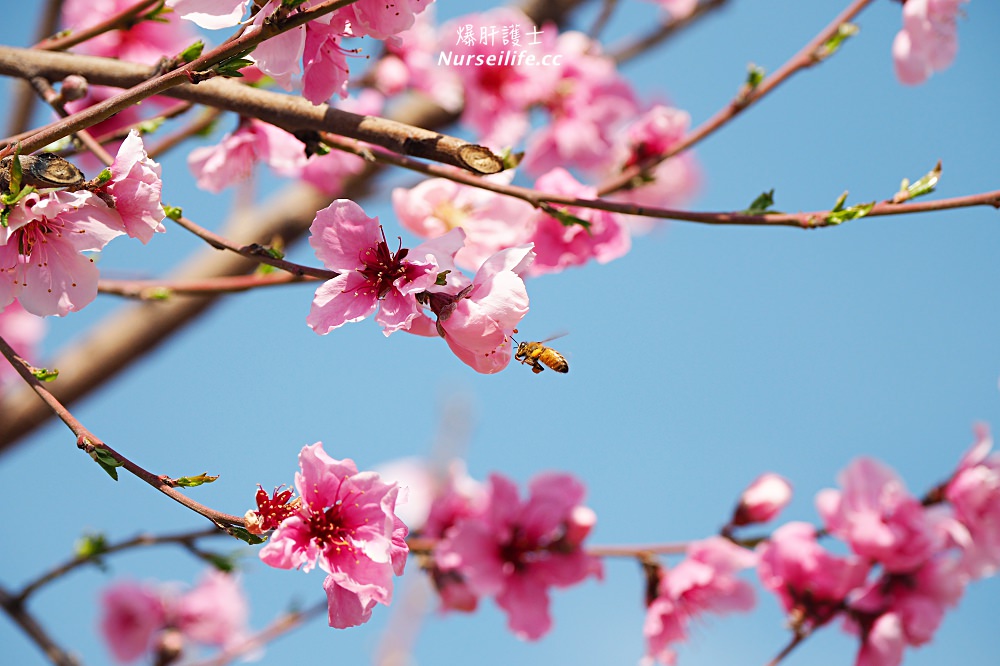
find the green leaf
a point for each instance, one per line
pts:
(762, 204)
(173, 212)
(224, 563)
(193, 52)
(232, 67)
(839, 204)
(90, 546)
(839, 216)
(442, 278)
(15, 172)
(243, 535)
(104, 176)
(844, 32)
(194, 481)
(44, 374)
(151, 125)
(566, 219)
(291, 4)
(158, 294)
(923, 186)
(107, 461)
(755, 74)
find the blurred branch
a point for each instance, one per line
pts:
(665, 31)
(142, 540)
(159, 290)
(811, 54)
(34, 630)
(23, 104)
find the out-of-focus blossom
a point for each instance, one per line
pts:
(928, 41)
(131, 614)
(371, 276)
(677, 8)
(22, 331)
(233, 158)
(346, 524)
(559, 246)
(41, 260)
(704, 582)
(411, 61)
(974, 492)
(381, 19)
(214, 612)
(135, 187)
(516, 549)
(811, 582)
(492, 222)
(588, 107)
(879, 518)
(327, 173)
(762, 500)
(143, 42)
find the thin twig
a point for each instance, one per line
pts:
(159, 290)
(23, 104)
(808, 56)
(90, 444)
(34, 630)
(123, 20)
(665, 31)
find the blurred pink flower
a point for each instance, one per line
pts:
(517, 549)
(214, 612)
(974, 492)
(879, 518)
(492, 222)
(705, 581)
(811, 582)
(381, 19)
(327, 173)
(371, 276)
(135, 186)
(232, 160)
(130, 616)
(762, 500)
(41, 260)
(411, 61)
(559, 246)
(677, 8)
(346, 524)
(143, 42)
(928, 41)
(22, 331)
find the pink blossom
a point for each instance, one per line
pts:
(677, 8)
(210, 14)
(928, 41)
(130, 616)
(880, 520)
(144, 42)
(517, 549)
(588, 107)
(705, 581)
(559, 245)
(974, 492)
(411, 61)
(327, 173)
(492, 222)
(135, 187)
(22, 331)
(233, 158)
(346, 523)
(899, 610)
(762, 500)
(654, 133)
(214, 612)
(497, 98)
(41, 260)
(381, 19)
(811, 582)
(371, 276)
(324, 63)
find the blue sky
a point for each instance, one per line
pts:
(703, 358)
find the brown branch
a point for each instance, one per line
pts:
(159, 290)
(123, 20)
(665, 31)
(811, 54)
(799, 636)
(55, 100)
(23, 104)
(91, 444)
(286, 111)
(142, 540)
(34, 630)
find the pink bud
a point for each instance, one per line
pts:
(762, 500)
(73, 87)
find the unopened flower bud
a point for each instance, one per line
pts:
(169, 647)
(73, 87)
(762, 500)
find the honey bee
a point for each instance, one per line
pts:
(531, 353)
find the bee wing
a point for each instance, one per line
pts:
(560, 334)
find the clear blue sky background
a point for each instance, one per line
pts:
(701, 359)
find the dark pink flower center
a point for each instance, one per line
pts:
(330, 529)
(381, 267)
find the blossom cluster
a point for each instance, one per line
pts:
(908, 561)
(139, 619)
(476, 316)
(48, 234)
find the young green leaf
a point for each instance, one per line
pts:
(844, 32)
(243, 535)
(194, 481)
(107, 461)
(44, 374)
(193, 52)
(762, 204)
(923, 186)
(566, 219)
(173, 212)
